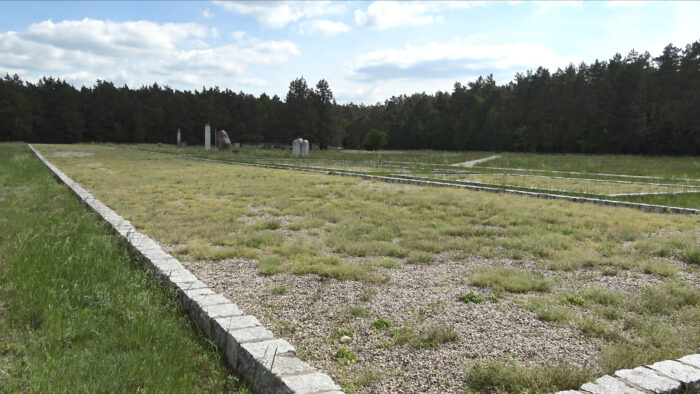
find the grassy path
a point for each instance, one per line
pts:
(76, 313)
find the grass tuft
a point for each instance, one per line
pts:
(471, 297)
(510, 280)
(381, 324)
(511, 377)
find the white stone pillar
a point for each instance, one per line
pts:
(207, 136)
(305, 148)
(178, 138)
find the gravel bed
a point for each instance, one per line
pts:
(308, 310)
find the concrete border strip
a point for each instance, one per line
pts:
(269, 365)
(625, 204)
(670, 376)
(472, 163)
(582, 173)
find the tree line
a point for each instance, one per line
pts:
(633, 104)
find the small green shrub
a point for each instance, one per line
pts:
(404, 335)
(420, 257)
(471, 297)
(691, 255)
(268, 225)
(435, 336)
(573, 300)
(375, 140)
(341, 332)
(344, 356)
(381, 324)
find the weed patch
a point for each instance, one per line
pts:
(511, 377)
(510, 280)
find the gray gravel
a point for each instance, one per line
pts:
(312, 308)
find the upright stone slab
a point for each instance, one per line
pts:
(179, 141)
(207, 136)
(296, 146)
(224, 143)
(305, 147)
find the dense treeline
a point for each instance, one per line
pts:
(635, 104)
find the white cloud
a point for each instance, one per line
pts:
(544, 6)
(452, 60)
(278, 14)
(626, 3)
(109, 38)
(133, 52)
(253, 82)
(207, 14)
(323, 27)
(385, 15)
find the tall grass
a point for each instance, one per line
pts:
(77, 314)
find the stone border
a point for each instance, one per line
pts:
(640, 206)
(670, 376)
(268, 364)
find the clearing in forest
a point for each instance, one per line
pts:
(392, 287)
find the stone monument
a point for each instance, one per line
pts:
(223, 141)
(207, 136)
(179, 141)
(305, 148)
(296, 146)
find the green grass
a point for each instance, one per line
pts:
(345, 356)
(381, 324)
(659, 166)
(471, 297)
(76, 313)
(670, 170)
(343, 225)
(510, 280)
(352, 229)
(509, 376)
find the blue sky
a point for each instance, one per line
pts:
(367, 51)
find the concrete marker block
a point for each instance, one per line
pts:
(312, 383)
(251, 356)
(692, 360)
(254, 333)
(650, 380)
(275, 368)
(609, 385)
(689, 376)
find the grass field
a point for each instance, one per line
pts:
(76, 312)
(624, 280)
(665, 167)
(530, 172)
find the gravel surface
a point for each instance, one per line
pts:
(309, 310)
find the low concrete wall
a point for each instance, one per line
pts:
(269, 364)
(670, 376)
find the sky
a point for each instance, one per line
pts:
(367, 51)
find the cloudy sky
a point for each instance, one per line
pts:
(367, 51)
